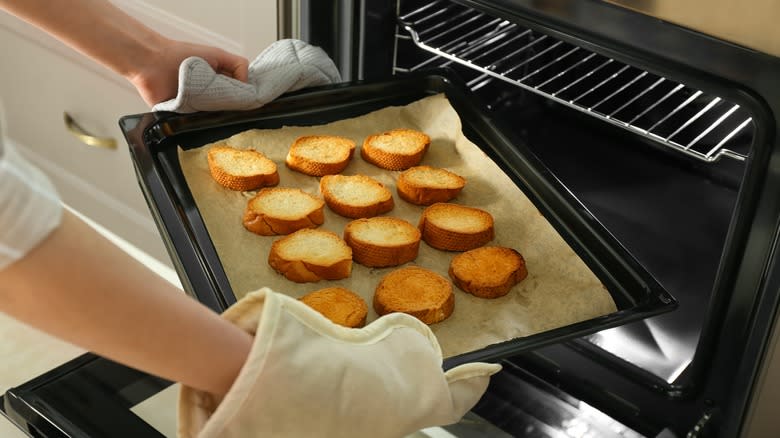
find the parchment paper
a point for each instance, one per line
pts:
(559, 290)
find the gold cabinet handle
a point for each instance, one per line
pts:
(85, 137)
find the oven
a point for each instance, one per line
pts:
(661, 125)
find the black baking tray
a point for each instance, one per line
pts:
(153, 139)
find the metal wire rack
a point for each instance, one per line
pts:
(690, 121)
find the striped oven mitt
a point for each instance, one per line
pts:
(286, 65)
(308, 377)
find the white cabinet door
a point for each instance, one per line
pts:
(244, 27)
(40, 78)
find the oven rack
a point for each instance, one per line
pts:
(689, 121)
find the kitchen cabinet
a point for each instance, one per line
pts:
(42, 79)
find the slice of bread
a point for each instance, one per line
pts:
(453, 227)
(356, 196)
(416, 291)
(380, 242)
(241, 169)
(425, 185)
(397, 149)
(283, 210)
(310, 255)
(489, 271)
(319, 155)
(338, 304)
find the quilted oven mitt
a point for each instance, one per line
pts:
(286, 65)
(308, 377)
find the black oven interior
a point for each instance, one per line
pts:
(659, 158)
(658, 162)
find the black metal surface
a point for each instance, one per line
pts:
(735, 326)
(636, 294)
(524, 405)
(672, 215)
(357, 35)
(331, 26)
(87, 397)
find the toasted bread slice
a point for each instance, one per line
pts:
(397, 149)
(489, 271)
(338, 304)
(419, 292)
(380, 242)
(283, 210)
(453, 227)
(356, 196)
(319, 155)
(241, 169)
(425, 185)
(311, 255)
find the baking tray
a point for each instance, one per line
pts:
(153, 139)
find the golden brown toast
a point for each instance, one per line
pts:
(356, 196)
(453, 227)
(283, 210)
(382, 241)
(319, 155)
(416, 291)
(311, 255)
(397, 149)
(338, 304)
(488, 272)
(241, 169)
(425, 185)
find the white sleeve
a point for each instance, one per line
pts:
(30, 207)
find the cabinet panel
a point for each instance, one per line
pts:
(37, 87)
(245, 27)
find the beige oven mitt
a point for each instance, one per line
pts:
(308, 377)
(286, 65)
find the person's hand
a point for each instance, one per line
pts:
(306, 377)
(156, 78)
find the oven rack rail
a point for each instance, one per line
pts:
(684, 119)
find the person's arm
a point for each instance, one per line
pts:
(80, 287)
(75, 284)
(116, 40)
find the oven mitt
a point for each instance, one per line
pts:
(308, 377)
(286, 65)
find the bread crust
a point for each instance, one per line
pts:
(440, 235)
(416, 291)
(426, 194)
(232, 181)
(304, 269)
(489, 271)
(338, 304)
(273, 221)
(400, 245)
(341, 147)
(395, 160)
(366, 207)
